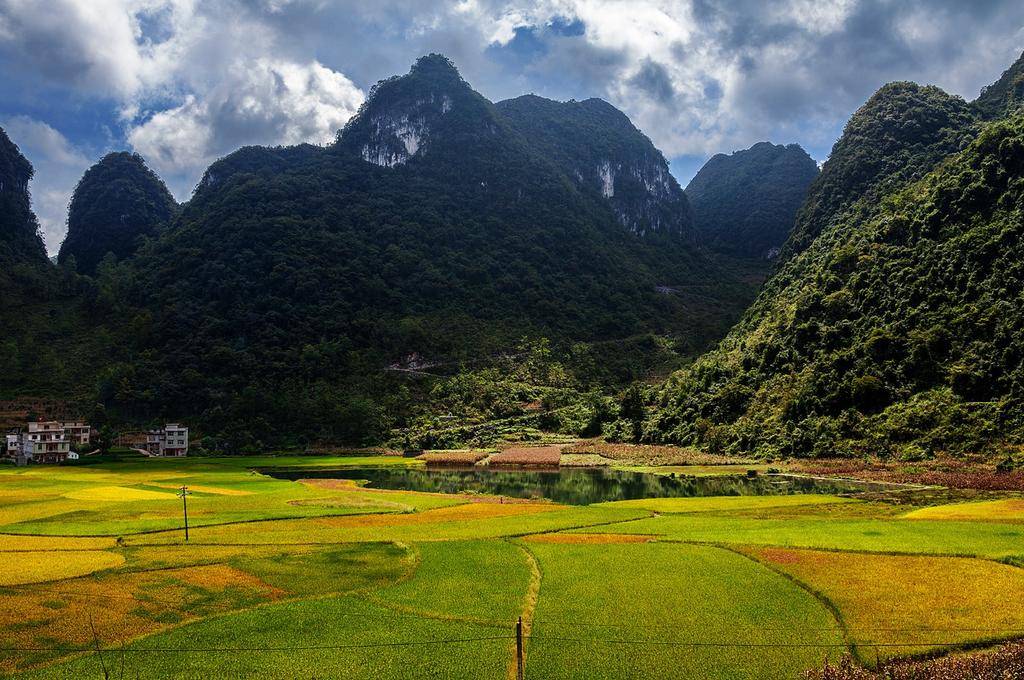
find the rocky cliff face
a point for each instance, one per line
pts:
(409, 117)
(598, 146)
(19, 234)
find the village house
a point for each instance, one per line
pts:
(77, 432)
(171, 440)
(47, 441)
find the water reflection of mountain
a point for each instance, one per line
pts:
(576, 486)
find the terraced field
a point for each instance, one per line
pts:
(325, 578)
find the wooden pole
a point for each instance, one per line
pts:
(184, 507)
(519, 649)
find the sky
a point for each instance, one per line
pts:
(184, 82)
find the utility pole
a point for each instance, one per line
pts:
(519, 649)
(185, 493)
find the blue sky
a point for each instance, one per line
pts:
(184, 82)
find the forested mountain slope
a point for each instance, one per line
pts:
(19, 231)
(432, 226)
(1004, 96)
(900, 134)
(746, 203)
(117, 202)
(900, 332)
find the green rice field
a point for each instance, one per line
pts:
(327, 578)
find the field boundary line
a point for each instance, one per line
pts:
(529, 604)
(202, 526)
(829, 605)
(576, 526)
(832, 549)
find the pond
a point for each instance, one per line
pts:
(578, 486)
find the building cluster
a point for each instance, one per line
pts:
(54, 441)
(47, 441)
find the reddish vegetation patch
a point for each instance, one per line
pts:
(452, 457)
(955, 474)
(789, 556)
(1002, 664)
(532, 456)
(583, 539)
(647, 454)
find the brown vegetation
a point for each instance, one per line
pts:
(528, 456)
(941, 471)
(647, 454)
(453, 457)
(1002, 664)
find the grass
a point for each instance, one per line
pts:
(622, 610)
(325, 578)
(120, 607)
(528, 456)
(453, 457)
(650, 455)
(480, 581)
(867, 535)
(514, 519)
(910, 603)
(1003, 510)
(342, 569)
(49, 565)
(126, 498)
(725, 503)
(328, 638)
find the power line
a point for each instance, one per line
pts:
(755, 626)
(755, 645)
(297, 648)
(411, 643)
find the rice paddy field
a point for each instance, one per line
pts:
(328, 578)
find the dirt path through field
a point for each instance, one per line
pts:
(529, 607)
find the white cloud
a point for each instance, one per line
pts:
(58, 166)
(263, 101)
(194, 80)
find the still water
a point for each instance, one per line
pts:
(576, 486)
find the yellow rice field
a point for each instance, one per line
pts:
(36, 566)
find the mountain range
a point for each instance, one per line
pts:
(893, 327)
(295, 293)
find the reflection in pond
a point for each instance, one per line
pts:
(576, 486)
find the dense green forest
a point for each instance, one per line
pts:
(745, 203)
(900, 134)
(118, 202)
(898, 329)
(20, 243)
(280, 305)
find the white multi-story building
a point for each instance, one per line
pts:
(172, 440)
(45, 442)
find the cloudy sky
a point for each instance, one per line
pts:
(185, 81)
